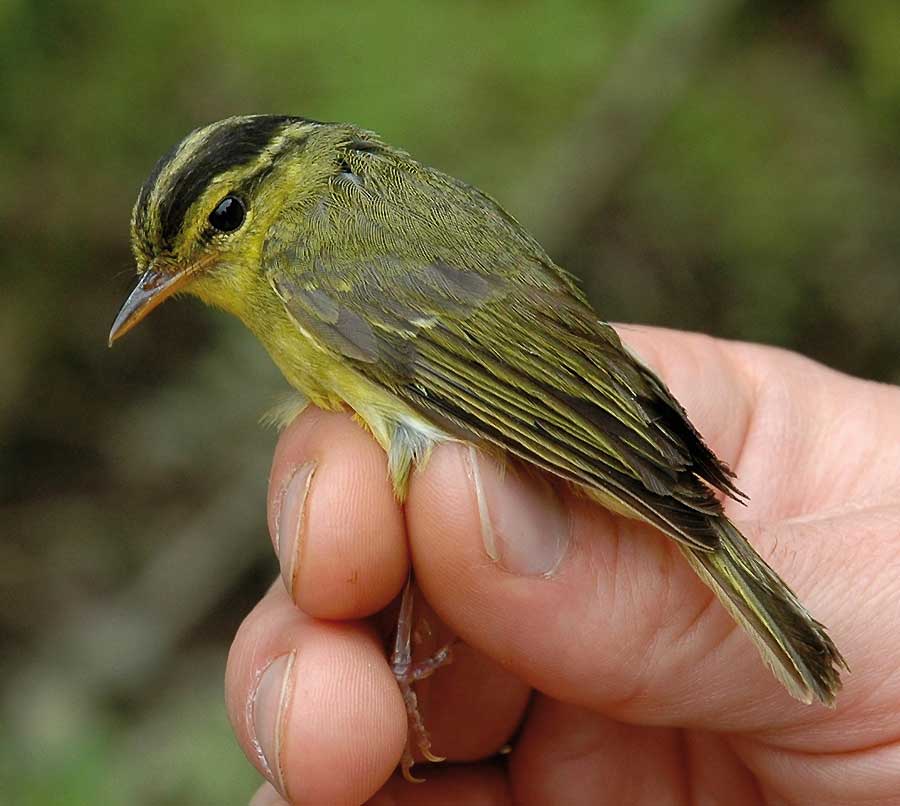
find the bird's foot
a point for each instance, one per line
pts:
(407, 673)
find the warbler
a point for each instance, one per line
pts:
(384, 286)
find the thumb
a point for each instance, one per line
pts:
(589, 607)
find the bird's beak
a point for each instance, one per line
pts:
(156, 285)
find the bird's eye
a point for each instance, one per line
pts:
(228, 214)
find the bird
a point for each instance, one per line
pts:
(388, 288)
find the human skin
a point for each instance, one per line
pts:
(589, 645)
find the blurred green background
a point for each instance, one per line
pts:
(709, 164)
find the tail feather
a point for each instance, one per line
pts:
(792, 643)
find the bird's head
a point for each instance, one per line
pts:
(201, 217)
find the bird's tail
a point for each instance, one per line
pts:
(792, 643)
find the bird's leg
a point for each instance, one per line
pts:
(407, 673)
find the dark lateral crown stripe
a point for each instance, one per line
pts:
(141, 210)
(227, 147)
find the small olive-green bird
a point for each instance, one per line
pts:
(383, 285)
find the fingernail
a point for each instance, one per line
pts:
(524, 525)
(267, 795)
(289, 523)
(268, 706)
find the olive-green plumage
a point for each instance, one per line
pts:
(380, 284)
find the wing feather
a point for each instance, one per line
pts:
(537, 375)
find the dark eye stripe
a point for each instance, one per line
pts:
(228, 147)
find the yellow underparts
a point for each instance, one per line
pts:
(326, 381)
(324, 378)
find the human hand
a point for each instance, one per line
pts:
(589, 643)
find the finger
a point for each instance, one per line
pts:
(314, 704)
(471, 707)
(570, 755)
(353, 527)
(267, 795)
(707, 376)
(335, 523)
(602, 611)
(471, 784)
(866, 774)
(774, 415)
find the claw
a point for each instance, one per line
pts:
(406, 765)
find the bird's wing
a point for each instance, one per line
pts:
(530, 369)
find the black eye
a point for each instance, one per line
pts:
(228, 214)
